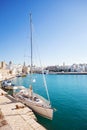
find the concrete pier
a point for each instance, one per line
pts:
(15, 115)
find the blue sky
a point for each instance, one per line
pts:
(59, 31)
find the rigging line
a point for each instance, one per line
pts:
(44, 79)
(31, 39)
(31, 47)
(45, 84)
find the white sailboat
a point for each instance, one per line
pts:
(36, 102)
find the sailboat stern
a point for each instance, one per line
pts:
(48, 114)
(43, 111)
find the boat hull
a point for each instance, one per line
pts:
(43, 111)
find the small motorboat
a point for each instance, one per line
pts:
(7, 84)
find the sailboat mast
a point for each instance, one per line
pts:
(31, 42)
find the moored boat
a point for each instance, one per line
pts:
(7, 84)
(36, 102)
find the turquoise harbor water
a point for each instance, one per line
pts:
(68, 94)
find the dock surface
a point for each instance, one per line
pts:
(15, 115)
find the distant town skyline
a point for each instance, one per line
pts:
(35, 65)
(59, 31)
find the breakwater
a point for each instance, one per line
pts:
(61, 73)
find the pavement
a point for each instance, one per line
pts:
(15, 115)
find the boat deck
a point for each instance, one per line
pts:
(36, 99)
